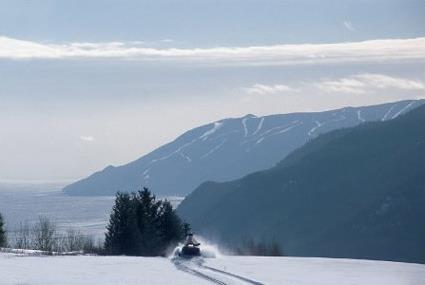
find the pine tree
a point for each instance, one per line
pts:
(186, 229)
(141, 225)
(275, 249)
(147, 221)
(2, 233)
(171, 230)
(122, 231)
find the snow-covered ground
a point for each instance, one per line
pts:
(103, 270)
(321, 271)
(90, 270)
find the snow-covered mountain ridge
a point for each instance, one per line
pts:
(227, 149)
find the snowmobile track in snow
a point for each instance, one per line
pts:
(187, 266)
(233, 275)
(180, 265)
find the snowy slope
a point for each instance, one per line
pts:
(320, 271)
(227, 150)
(105, 270)
(90, 270)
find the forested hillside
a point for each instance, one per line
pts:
(357, 192)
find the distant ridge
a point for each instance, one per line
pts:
(227, 149)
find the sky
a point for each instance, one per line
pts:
(86, 84)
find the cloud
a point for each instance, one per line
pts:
(349, 26)
(364, 83)
(367, 51)
(87, 138)
(262, 89)
(354, 84)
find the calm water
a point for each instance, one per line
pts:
(25, 203)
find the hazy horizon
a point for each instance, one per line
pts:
(86, 85)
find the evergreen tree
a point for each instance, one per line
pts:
(122, 231)
(3, 240)
(147, 221)
(275, 249)
(141, 225)
(186, 228)
(170, 226)
(2, 233)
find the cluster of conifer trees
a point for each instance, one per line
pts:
(142, 225)
(2, 233)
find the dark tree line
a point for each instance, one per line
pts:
(261, 248)
(141, 225)
(3, 239)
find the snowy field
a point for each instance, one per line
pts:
(104, 270)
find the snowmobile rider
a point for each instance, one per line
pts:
(190, 240)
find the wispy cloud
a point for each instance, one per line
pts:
(367, 51)
(354, 84)
(263, 89)
(87, 138)
(363, 83)
(349, 26)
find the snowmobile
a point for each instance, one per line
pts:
(190, 248)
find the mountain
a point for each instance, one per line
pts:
(227, 150)
(356, 192)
